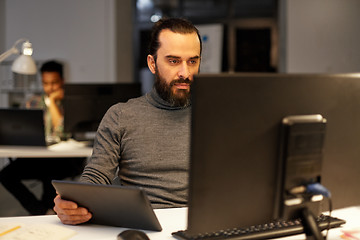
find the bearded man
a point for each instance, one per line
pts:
(146, 141)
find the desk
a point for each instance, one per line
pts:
(69, 148)
(58, 161)
(171, 220)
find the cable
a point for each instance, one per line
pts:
(329, 221)
(317, 188)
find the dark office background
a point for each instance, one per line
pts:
(105, 41)
(248, 28)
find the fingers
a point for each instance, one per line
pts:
(61, 203)
(69, 212)
(57, 95)
(74, 219)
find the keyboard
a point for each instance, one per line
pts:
(263, 231)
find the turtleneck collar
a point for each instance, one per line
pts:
(154, 99)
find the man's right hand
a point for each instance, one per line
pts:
(57, 95)
(69, 212)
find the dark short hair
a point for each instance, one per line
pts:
(176, 25)
(52, 66)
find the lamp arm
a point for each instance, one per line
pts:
(8, 53)
(12, 50)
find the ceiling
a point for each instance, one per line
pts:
(206, 10)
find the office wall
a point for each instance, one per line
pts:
(319, 36)
(2, 25)
(124, 40)
(81, 33)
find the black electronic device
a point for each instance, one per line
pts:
(113, 205)
(86, 104)
(270, 230)
(235, 137)
(22, 127)
(132, 235)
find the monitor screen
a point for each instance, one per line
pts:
(236, 122)
(86, 104)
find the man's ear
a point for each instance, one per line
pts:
(151, 63)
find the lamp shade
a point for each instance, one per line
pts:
(24, 64)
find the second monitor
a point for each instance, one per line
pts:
(86, 104)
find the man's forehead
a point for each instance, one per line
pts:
(176, 44)
(168, 34)
(50, 76)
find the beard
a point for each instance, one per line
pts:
(169, 93)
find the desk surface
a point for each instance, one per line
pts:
(68, 148)
(171, 220)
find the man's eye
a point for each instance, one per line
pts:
(173, 61)
(192, 62)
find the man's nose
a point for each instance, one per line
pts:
(184, 71)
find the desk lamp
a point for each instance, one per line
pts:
(24, 64)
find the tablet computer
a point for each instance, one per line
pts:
(113, 205)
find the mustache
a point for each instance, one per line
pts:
(180, 80)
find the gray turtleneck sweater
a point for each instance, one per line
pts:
(147, 141)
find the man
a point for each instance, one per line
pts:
(147, 139)
(51, 101)
(38, 168)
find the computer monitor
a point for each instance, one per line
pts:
(22, 127)
(235, 143)
(86, 104)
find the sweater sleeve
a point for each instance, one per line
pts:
(103, 164)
